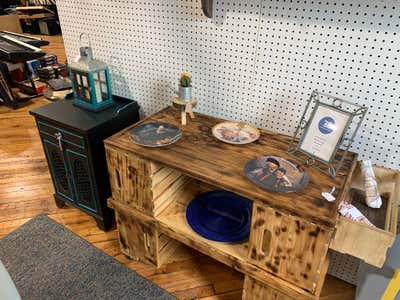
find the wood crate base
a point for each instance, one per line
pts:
(140, 240)
(285, 257)
(254, 289)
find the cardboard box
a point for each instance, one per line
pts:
(10, 23)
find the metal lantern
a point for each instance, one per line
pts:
(90, 81)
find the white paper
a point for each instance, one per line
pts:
(325, 130)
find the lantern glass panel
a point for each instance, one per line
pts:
(101, 87)
(81, 84)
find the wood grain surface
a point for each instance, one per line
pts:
(26, 190)
(201, 156)
(289, 247)
(254, 289)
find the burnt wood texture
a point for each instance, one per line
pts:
(199, 155)
(286, 255)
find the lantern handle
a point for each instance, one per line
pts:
(80, 39)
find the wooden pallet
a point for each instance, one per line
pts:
(286, 255)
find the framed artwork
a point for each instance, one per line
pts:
(326, 131)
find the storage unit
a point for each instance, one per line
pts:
(367, 243)
(72, 140)
(286, 255)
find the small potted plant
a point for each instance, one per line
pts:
(185, 87)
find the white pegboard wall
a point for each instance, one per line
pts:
(256, 61)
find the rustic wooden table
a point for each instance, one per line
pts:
(286, 255)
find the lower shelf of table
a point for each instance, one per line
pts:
(173, 221)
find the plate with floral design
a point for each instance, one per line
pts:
(237, 133)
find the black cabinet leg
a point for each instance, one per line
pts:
(59, 203)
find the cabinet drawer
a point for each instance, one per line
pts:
(366, 242)
(67, 136)
(289, 247)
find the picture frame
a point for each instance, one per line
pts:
(326, 132)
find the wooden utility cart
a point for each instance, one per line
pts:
(286, 256)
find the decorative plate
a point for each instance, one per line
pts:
(274, 173)
(237, 133)
(220, 216)
(155, 134)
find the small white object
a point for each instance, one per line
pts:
(329, 195)
(373, 198)
(160, 129)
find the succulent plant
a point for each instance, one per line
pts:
(186, 80)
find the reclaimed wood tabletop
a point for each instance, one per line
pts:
(200, 155)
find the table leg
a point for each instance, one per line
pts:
(183, 117)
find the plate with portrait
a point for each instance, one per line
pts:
(277, 174)
(237, 133)
(155, 134)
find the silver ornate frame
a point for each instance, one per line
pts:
(356, 115)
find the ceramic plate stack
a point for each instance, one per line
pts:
(220, 216)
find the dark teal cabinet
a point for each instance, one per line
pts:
(81, 176)
(72, 140)
(58, 170)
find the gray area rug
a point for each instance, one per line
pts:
(47, 261)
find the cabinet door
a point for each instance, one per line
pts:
(58, 170)
(78, 164)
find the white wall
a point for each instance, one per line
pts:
(256, 61)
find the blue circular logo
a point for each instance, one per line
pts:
(326, 125)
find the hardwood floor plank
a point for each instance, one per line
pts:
(195, 293)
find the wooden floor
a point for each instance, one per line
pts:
(26, 191)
